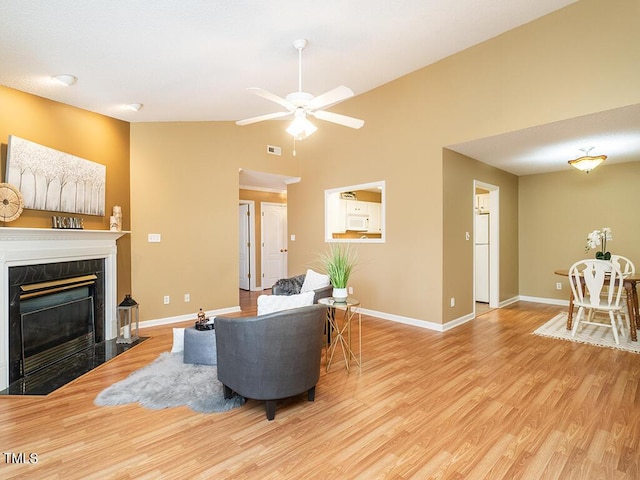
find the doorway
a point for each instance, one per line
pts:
(257, 189)
(486, 255)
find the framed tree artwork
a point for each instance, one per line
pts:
(55, 181)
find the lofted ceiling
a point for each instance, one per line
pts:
(192, 60)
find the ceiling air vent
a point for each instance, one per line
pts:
(274, 150)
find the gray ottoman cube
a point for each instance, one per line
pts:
(200, 346)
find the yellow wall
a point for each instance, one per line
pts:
(81, 133)
(366, 196)
(185, 187)
(459, 200)
(559, 210)
(542, 72)
(258, 197)
(185, 174)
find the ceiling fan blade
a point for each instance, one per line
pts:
(268, 116)
(271, 96)
(329, 98)
(339, 119)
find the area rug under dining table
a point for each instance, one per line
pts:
(590, 334)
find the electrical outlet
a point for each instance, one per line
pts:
(558, 286)
(350, 290)
(187, 298)
(453, 302)
(166, 300)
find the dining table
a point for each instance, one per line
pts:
(629, 283)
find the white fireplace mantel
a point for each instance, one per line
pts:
(32, 246)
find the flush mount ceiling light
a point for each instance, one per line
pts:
(586, 163)
(65, 79)
(134, 106)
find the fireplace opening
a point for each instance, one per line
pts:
(57, 320)
(56, 310)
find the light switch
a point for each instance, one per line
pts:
(154, 238)
(293, 238)
(468, 236)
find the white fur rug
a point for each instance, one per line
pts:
(591, 334)
(168, 382)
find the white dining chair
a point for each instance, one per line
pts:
(589, 280)
(626, 266)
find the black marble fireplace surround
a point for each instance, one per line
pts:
(49, 379)
(46, 247)
(33, 274)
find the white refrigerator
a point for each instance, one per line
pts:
(482, 257)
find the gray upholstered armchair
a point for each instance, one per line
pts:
(271, 357)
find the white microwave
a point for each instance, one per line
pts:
(357, 223)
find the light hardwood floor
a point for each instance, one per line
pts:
(487, 400)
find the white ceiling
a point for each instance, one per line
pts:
(191, 60)
(548, 148)
(265, 181)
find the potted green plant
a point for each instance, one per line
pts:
(338, 264)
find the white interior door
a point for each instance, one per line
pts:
(244, 245)
(274, 243)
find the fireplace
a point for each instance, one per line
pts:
(70, 256)
(55, 311)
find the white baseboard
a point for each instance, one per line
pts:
(509, 301)
(188, 316)
(549, 301)
(438, 327)
(458, 321)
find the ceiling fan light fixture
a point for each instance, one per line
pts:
(301, 127)
(65, 79)
(586, 163)
(301, 104)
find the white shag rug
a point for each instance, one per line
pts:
(169, 382)
(591, 334)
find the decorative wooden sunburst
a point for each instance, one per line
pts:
(11, 202)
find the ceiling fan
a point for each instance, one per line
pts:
(302, 104)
